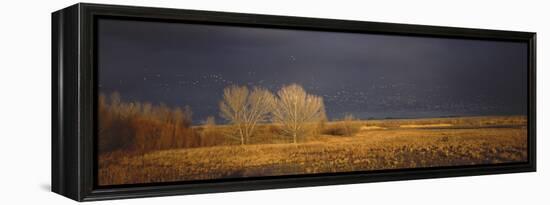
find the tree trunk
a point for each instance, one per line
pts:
(174, 136)
(242, 135)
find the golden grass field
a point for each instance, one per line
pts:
(376, 145)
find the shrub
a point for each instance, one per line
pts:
(348, 126)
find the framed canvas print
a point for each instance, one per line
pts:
(154, 102)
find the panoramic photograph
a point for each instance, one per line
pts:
(182, 102)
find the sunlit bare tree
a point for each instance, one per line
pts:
(210, 121)
(294, 109)
(348, 124)
(187, 115)
(245, 109)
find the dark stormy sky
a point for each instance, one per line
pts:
(368, 75)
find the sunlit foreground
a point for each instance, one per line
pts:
(375, 145)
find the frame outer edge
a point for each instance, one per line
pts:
(65, 129)
(56, 170)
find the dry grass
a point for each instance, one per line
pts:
(469, 141)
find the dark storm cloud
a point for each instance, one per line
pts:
(367, 75)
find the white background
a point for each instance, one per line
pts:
(25, 102)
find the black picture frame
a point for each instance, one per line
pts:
(74, 95)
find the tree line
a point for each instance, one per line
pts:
(142, 126)
(137, 126)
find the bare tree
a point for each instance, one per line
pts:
(210, 121)
(208, 132)
(103, 112)
(348, 124)
(245, 109)
(176, 121)
(187, 116)
(294, 109)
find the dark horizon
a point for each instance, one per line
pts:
(368, 75)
